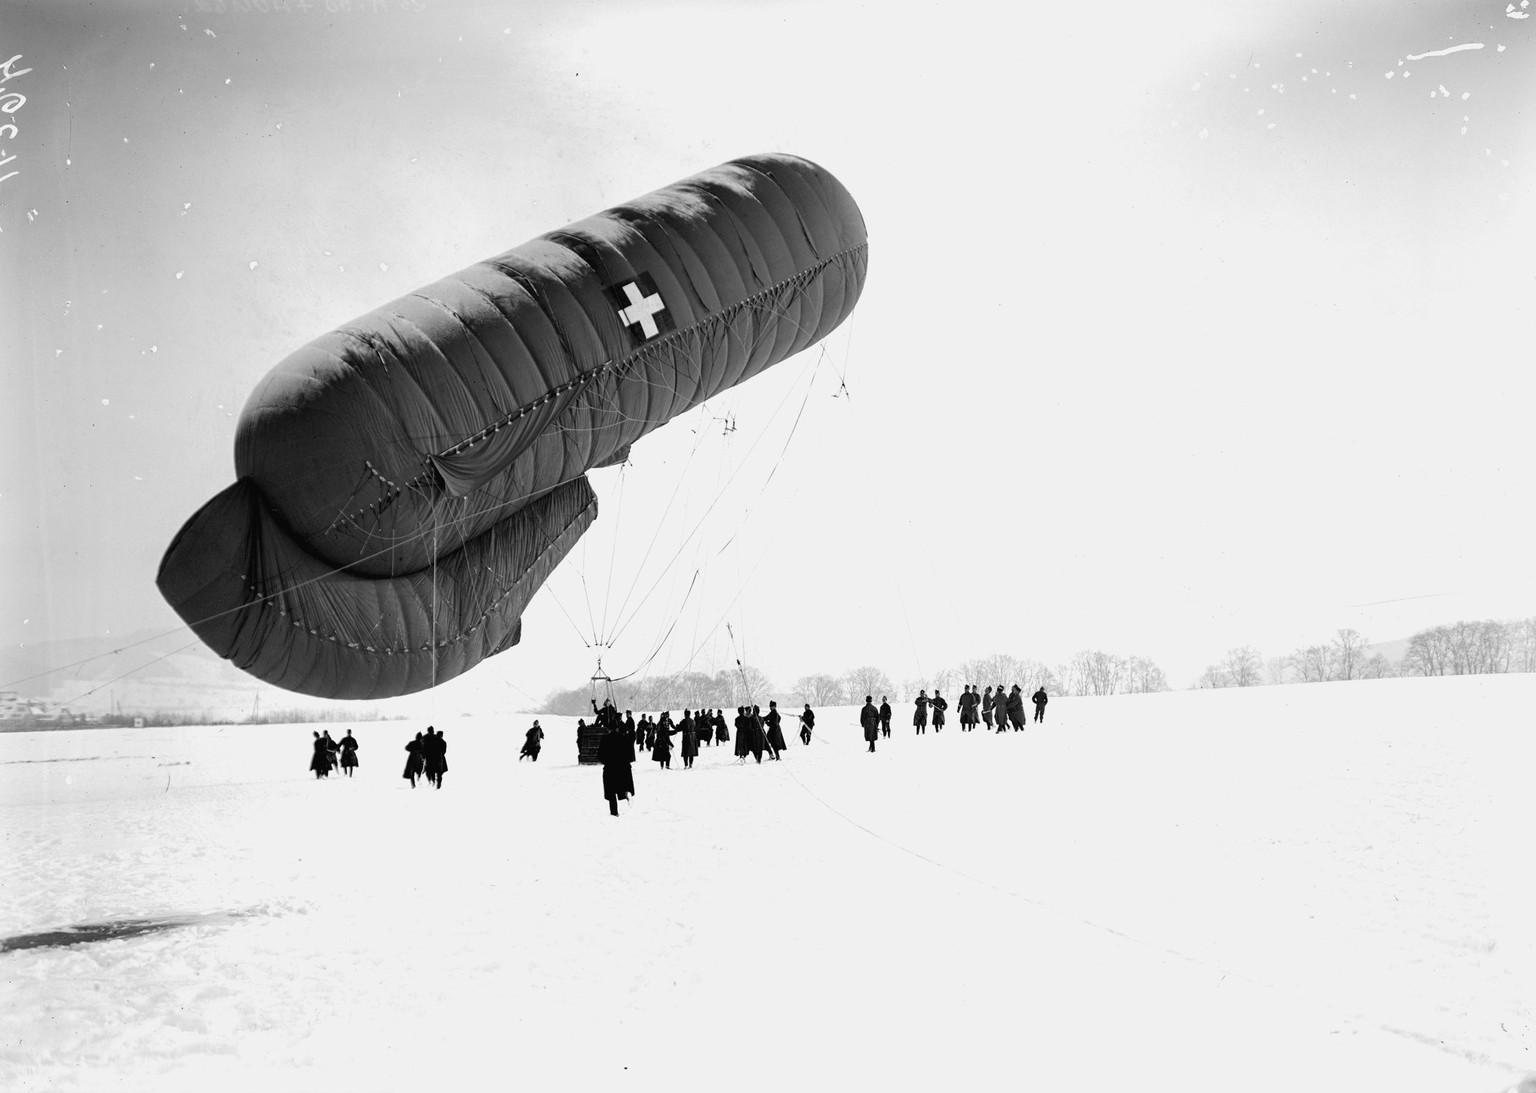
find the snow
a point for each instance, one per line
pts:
(1321, 887)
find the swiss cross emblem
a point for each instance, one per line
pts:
(640, 308)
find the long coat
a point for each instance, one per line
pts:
(869, 717)
(662, 750)
(616, 755)
(320, 762)
(348, 751)
(1000, 708)
(722, 734)
(775, 731)
(1016, 706)
(690, 745)
(413, 761)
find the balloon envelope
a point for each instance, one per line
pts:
(405, 483)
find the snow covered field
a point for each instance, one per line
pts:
(1322, 887)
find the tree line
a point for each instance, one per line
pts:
(1482, 647)
(1091, 672)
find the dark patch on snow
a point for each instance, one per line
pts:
(111, 930)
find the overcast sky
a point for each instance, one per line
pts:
(1187, 325)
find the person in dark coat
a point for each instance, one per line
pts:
(920, 712)
(722, 730)
(967, 708)
(690, 739)
(939, 706)
(775, 731)
(1040, 698)
(869, 718)
(435, 757)
(331, 749)
(743, 745)
(757, 736)
(1016, 707)
(349, 753)
(532, 744)
(413, 760)
(1000, 708)
(320, 759)
(986, 707)
(616, 753)
(661, 749)
(430, 758)
(629, 723)
(884, 716)
(807, 723)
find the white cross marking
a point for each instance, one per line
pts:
(641, 309)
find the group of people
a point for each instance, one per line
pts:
(332, 754)
(993, 707)
(427, 757)
(624, 737)
(756, 733)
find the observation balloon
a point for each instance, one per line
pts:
(407, 482)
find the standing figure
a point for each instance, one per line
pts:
(531, 744)
(722, 732)
(939, 706)
(616, 753)
(869, 718)
(413, 761)
(884, 715)
(920, 712)
(661, 749)
(757, 736)
(319, 759)
(807, 723)
(986, 707)
(349, 753)
(1016, 707)
(690, 738)
(775, 732)
(1000, 708)
(743, 745)
(1040, 698)
(331, 748)
(967, 708)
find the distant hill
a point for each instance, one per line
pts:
(153, 672)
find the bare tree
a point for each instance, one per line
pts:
(1244, 666)
(1429, 652)
(744, 685)
(1095, 672)
(1315, 664)
(1215, 675)
(1377, 667)
(1144, 677)
(1522, 639)
(820, 690)
(867, 680)
(1348, 654)
(1275, 669)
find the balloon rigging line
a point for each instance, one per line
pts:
(125, 675)
(619, 623)
(613, 558)
(697, 527)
